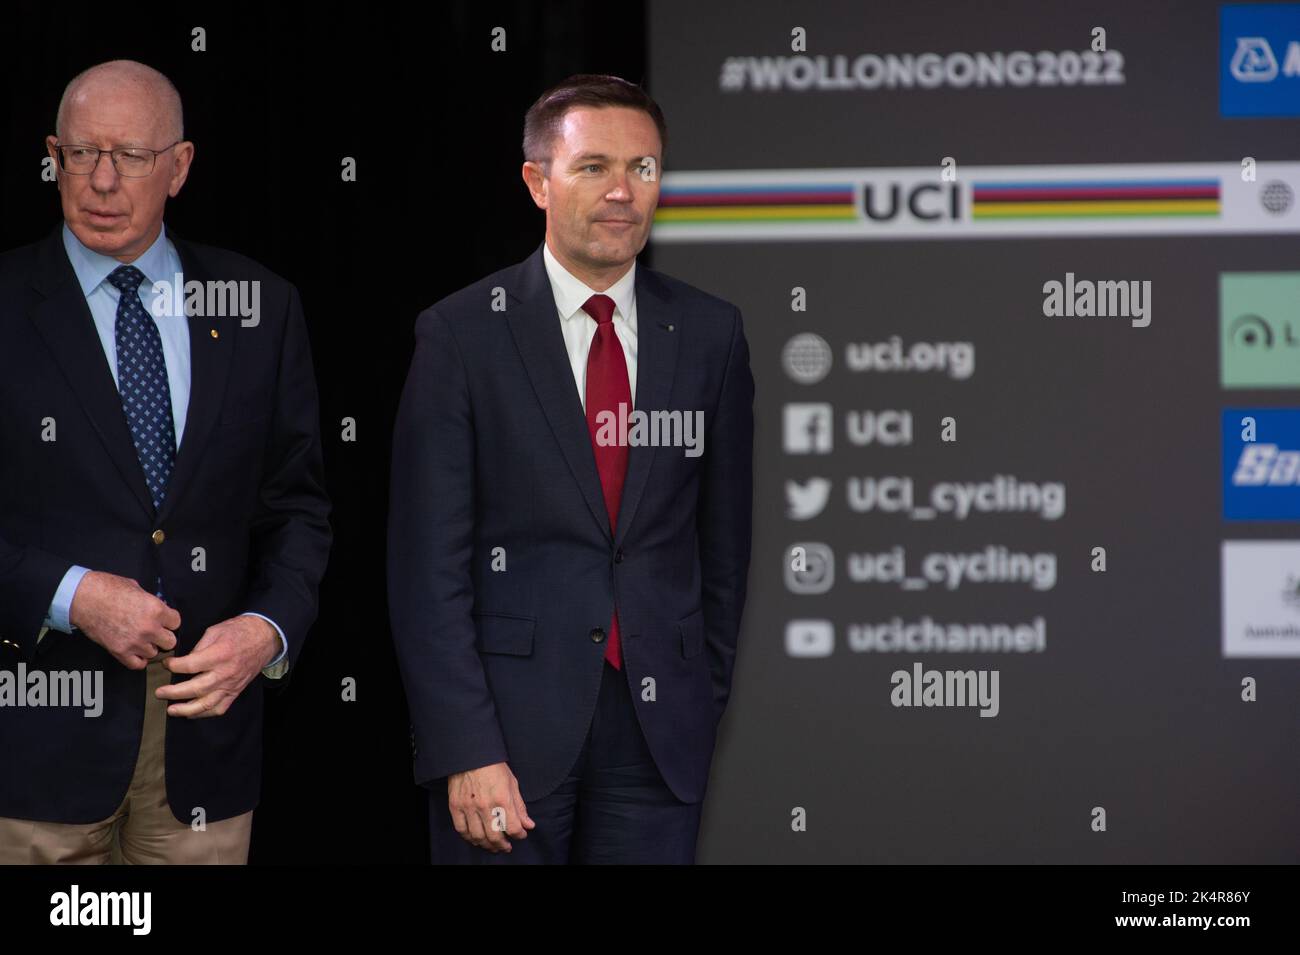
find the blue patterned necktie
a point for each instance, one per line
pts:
(142, 382)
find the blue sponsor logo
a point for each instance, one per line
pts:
(1261, 464)
(1259, 59)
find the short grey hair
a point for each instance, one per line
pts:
(135, 74)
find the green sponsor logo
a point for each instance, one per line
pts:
(1259, 329)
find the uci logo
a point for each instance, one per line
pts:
(922, 202)
(1254, 61)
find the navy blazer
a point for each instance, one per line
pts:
(247, 487)
(492, 459)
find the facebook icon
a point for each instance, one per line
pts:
(808, 428)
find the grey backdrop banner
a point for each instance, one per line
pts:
(1071, 434)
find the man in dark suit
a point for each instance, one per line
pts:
(162, 513)
(566, 598)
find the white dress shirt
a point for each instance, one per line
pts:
(579, 328)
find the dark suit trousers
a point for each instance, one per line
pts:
(612, 807)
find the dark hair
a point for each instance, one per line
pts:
(542, 122)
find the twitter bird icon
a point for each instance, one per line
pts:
(805, 501)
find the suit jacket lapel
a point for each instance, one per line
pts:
(535, 325)
(63, 319)
(210, 359)
(656, 364)
(536, 330)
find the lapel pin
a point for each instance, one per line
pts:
(214, 333)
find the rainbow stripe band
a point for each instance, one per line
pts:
(847, 213)
(833, 202)
(792, 203)
(1100, 198)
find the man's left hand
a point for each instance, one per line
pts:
(226, 659)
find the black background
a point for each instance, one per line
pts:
(434, 119)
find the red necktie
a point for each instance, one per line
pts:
(607, 388)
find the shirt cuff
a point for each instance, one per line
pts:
(61, 605)
(277, 667)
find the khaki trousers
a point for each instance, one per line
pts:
(143, 830)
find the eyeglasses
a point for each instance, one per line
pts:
(131, 162)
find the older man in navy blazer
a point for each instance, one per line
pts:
(163, 524)
(566, 595)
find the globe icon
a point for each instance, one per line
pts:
(1276, 197)
(807, 358)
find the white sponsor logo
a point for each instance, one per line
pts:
(1261, 598)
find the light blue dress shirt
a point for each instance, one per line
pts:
(159, 263)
